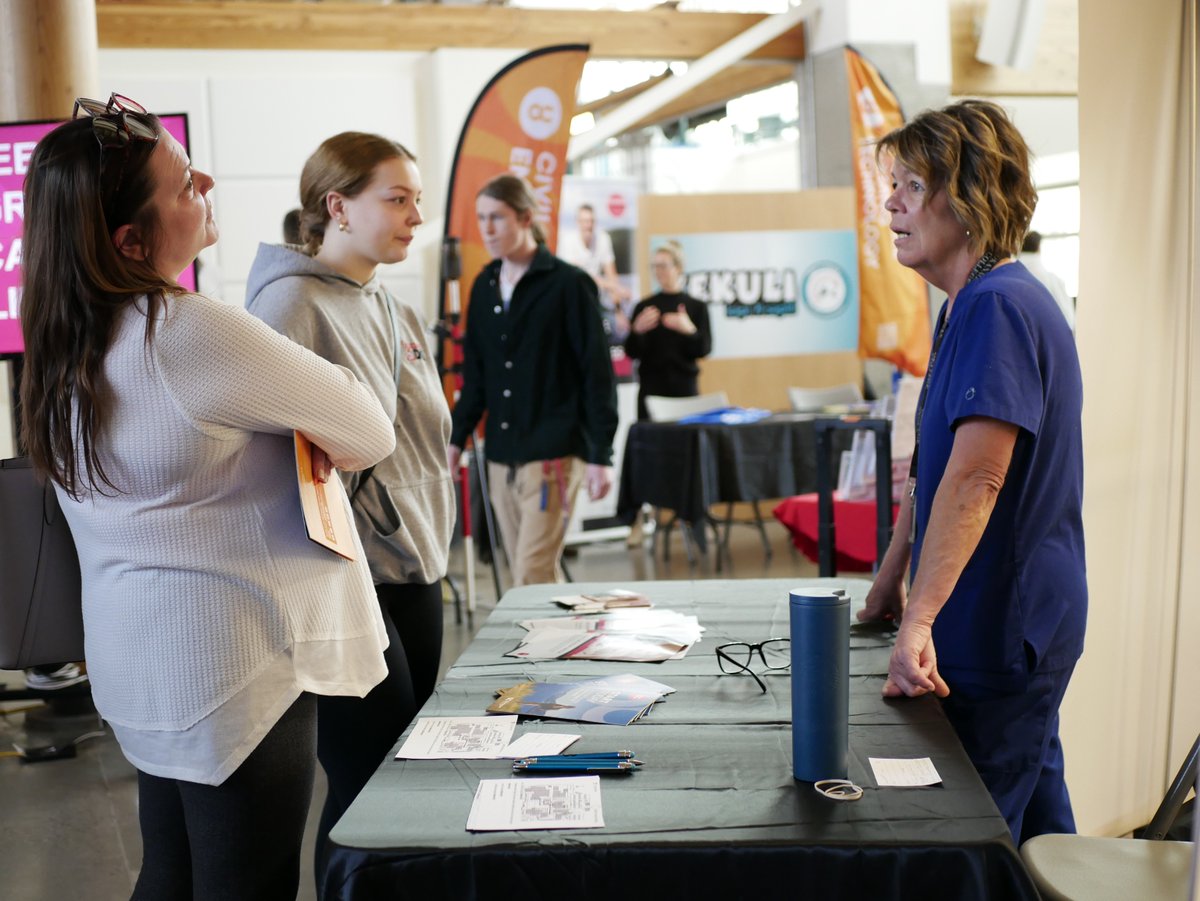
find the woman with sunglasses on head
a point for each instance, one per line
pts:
(165, 420)
(360, 195)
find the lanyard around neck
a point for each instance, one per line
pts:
(985, 265)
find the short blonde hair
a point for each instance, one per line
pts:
(674, 250)
(973, 151)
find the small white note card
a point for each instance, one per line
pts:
(540, 744)
(904, 771)
(572, 802)
(458, 737)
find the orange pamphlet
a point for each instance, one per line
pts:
(323, 505)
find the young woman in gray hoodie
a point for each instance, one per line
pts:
(360, 195)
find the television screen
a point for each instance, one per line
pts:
(17, 141)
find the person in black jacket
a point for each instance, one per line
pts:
(537, 361)
(670, 332)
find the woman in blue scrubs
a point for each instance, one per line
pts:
(991, 524)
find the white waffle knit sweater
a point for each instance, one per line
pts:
(206, 608)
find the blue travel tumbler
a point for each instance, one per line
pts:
(820, 620)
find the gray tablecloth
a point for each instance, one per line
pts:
(715, 812)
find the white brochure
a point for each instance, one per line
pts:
(572, 802)
(904, 771)
(458, 737)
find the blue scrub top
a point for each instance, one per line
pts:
(1021, 601)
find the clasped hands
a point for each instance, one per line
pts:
(678, 321)
(912, 670)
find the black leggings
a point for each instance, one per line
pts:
(354, 735)
(237, 840)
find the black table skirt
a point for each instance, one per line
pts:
(688, 468)
(717, 871)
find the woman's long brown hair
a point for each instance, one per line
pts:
(76, 284)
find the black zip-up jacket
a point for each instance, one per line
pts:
(542, 370)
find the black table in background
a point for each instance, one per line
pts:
(688, 468)
(715, 812)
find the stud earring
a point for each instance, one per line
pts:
(343, 227)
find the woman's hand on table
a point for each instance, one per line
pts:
(913, 671)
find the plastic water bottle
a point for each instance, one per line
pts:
(820, 621)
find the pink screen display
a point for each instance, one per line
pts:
(16, 147)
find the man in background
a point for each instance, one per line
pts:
(591, 249)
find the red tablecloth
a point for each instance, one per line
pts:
(853, 521)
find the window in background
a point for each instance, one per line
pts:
(1057, 215)
(749, 144)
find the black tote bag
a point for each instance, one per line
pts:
(41, 611)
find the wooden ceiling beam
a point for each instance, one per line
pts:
(262, 25)
(618, 97)
(651, 103)
(732, 82)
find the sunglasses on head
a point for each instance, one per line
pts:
(117, 125)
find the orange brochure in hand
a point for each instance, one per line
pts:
(323, 505)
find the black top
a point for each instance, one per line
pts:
(667, 359)
(541, 370)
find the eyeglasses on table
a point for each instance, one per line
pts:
(736, 658)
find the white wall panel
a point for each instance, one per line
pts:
(270, 124)
(249, 211)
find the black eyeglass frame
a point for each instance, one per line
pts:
(116, 126)
(723, 657)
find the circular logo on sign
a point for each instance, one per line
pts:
(540, 113)
(616, 204)
(825, 289)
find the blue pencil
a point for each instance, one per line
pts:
(598, 755)
(583, 766)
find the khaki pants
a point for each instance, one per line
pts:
(529, 503)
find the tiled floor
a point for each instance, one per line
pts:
(70, 826)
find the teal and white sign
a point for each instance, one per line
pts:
(775, 293)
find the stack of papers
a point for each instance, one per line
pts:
(598, 603)
(617, 700)
(637, 635)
